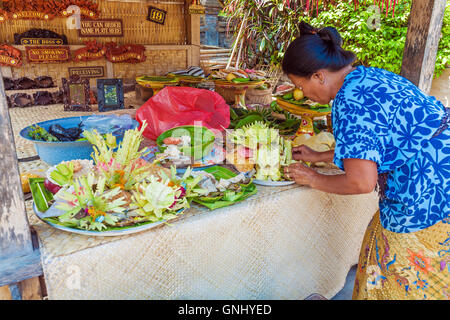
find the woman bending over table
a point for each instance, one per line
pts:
(392, 137)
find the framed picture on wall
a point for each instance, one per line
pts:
(110, 94)
(76, 93)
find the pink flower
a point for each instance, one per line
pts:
(182, 194)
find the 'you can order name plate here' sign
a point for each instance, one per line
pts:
(101, 28)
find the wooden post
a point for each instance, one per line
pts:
(19, 260)
(422, 39)
(193, 34)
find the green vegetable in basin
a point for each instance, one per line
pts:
(240, 80)
(201, 140)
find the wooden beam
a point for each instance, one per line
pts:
(193, 34)
(5, 293)
(15, 236)
(20, 268)
(19, 258)
(31, 289)
(422, 39)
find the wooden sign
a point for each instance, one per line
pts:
(3, 15)
(10, 56)
(47, 54)
(37, 36)
(88, 72)
(41, 42)
(46, 10)
(196, 9)
(85, 55)
(8, 61)
(92, 51)
(101, 28)
(156, 15)
(37, 15)
(129, 53)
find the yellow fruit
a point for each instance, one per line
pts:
(230, 77)
(24, 180)
(298, 94)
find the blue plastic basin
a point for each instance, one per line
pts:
(56, 152)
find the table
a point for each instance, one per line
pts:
(282, 243)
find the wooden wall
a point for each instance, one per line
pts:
(172, 46)
(160, 60)
(137, 29)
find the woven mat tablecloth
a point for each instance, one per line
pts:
(282, 243)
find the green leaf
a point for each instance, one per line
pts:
(262, 44)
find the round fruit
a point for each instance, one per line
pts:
(230, 77)
(298, 94)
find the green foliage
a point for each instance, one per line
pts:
(272, 25)
(380, 44)
(443, 54)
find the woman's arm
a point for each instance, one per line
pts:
(360, 177)
(307, 154)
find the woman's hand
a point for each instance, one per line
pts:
(360, 177)
(306, 154)
(300, 173)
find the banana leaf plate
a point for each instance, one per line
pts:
(229, 199)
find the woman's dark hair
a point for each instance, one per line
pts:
(316, 49)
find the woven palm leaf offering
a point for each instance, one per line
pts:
(239, 81)
(294, 101)
(260, 151)
(156, 83)
(120, 190)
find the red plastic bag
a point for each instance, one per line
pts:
(179, 106)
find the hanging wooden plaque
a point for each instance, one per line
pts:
(156, 15)
(88, 72)
(47, 54)
(47, 10)
(101, 28)
(196, 9)
(128, 53)
(10, 56)
(37, 36)
(92, 51)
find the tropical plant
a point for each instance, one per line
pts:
(377, 39)
(374, 30)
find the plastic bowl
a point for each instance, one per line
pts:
(197, 133)
(55, 152)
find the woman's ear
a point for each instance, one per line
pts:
(319, 76)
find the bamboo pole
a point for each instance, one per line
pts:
(237, 39)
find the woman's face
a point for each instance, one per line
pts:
(314, 88)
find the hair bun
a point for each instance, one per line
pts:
(306, 28)
(330, 35)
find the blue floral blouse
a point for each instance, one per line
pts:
(380, 116)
